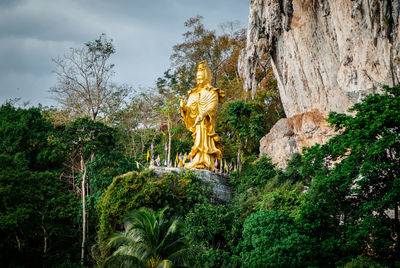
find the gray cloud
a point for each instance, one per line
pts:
(34, 31)
(9, 3)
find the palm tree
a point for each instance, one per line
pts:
(150, 241)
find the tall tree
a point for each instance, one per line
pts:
(83, 138)
(84, 83)
(168, 89)
(220, 50)
(141, 119)
(358, 196)
(244, 124)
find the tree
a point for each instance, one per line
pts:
(212, 226)
(167, 88)
(217, 229)
(83, 138)
(150, 241)
(244, 124)
(36, 210)
(127, 123)
(221, 52)
(357, 195)
(84, 80)
(272, 239)
(140, 121)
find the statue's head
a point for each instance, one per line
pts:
(203, 76)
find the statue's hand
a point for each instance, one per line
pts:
(199, 118)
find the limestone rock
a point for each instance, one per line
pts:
(290, 135)
(326, 55)
(219, 182)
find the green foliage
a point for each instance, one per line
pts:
(257, 178)
(239, 114)
(26, 136)
(150, 241)
(295, 170)
(100, 174)
(241, 123)
(255, 175)
(85, 136)
(320, 220)
(359, 189)
(267, 101)
(101, 48)
(182, 140)
(217, 229)
(213, 226)
(134, 190)
(286, 197)
(272, 239)
(363, 262)
(216, 258)
(169, 82)
(106, 166)
(36, 212)
(102, 171)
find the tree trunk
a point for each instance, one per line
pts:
(133, 145)
(397, 232)
(87, 194)
(18, 242)
(87, 211)
(141, 141)
(83, 168)
(169, 139)
(45, 238)
(239, 159)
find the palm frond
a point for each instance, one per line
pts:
(150, 241)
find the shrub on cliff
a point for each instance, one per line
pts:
(355, 196)
(145, 189)
(273, 239)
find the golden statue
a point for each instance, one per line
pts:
(199, 115)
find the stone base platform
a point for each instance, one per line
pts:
(219, 182)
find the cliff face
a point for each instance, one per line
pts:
(326, 55)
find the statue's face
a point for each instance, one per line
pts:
(200, 78)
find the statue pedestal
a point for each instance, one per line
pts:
(219, 182)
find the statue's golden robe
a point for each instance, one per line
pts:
(199, 116)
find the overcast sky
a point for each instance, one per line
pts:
(32, 32)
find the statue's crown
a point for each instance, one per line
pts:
(202, 65)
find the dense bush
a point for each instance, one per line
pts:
(212, 226)
(216, 258)
(255, 175)
(273, 239)
(145, 189)
(285, 197)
